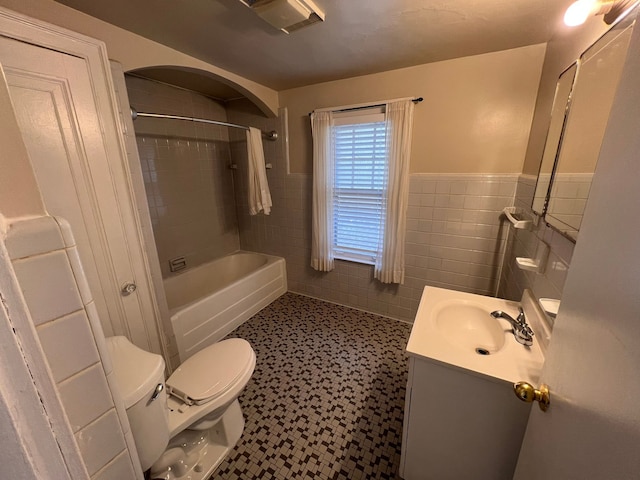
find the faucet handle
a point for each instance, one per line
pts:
(521, 318)
(524, 335)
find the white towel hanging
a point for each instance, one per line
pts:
(259, 194)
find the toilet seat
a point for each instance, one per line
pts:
(211, 371)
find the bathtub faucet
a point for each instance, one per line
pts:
(521, 330)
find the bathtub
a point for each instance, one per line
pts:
(209, 301)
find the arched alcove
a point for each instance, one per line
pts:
(204, 82)
(195, 172)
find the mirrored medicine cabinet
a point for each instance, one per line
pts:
(582, 103)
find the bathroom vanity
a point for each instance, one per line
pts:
(462, 419)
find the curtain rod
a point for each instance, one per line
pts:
(272, 135)
(361, 107)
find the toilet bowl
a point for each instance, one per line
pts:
(184, 427)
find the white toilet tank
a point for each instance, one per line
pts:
(138, 375)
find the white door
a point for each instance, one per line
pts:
(73, 146)
(592, 428)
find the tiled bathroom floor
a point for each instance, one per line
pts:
(327, 397)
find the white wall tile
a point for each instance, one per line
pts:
(428, 200)
(458, 187)
(524, 243)
(192, 209)
(118, 403)
(455, 201)
(120, 468)
(68, 344)
(85, 396)
(443, 186)
(428, 186)
(81, 278)
(98, 335)
(65, 230)
(32, 237)
(135, 459)
(48, 286)
(67, 337)
(438, 204)
(101, 441)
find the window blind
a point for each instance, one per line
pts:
(359, 185)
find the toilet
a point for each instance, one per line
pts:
(183, 428)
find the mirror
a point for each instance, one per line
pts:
(585, 120)
(554, 137)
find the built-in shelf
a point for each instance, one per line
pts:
(538, 263)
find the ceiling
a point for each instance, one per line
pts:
(358, 37)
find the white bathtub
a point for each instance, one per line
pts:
(209, 301)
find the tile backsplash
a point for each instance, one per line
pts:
(523, 243)
(569, 195)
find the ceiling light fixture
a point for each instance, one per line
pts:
(287, 15)
(579, 11)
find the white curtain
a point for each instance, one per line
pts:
(389, 267)
(258, 188)
(323, 178)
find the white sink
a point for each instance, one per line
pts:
(469, 326)
(457, 329)
(462, 367)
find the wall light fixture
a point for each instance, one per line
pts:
(579, 11)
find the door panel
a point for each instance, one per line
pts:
(82, 179)
(41, 106)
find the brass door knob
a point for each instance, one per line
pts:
(527, 393)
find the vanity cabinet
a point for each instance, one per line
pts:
(458, 425)
(462, 419)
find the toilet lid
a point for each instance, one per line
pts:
(211, 371)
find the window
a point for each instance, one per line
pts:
(360, 186)
(360, 180)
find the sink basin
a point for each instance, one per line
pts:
(456, 329)
(470, 326)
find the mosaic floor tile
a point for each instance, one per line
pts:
(327, 397)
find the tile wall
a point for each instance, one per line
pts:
(48, 270)
(524, 243)
(186, 172)
(569, 195)
(454, 236)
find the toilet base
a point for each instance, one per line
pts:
(195, 454)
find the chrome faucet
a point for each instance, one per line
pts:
(521, 331)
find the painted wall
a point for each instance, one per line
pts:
(134, 51)
(475, 117)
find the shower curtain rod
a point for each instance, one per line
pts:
(272, 135)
